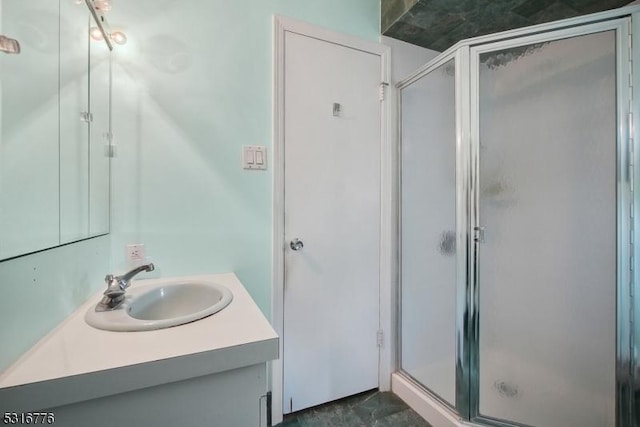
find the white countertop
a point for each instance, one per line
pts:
(77, 362)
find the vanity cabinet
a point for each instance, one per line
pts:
(227, 399)
(211, 372)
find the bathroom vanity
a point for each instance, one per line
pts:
(211, 372)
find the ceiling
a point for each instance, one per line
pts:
(439, 24)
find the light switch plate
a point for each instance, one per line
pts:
(254, 157)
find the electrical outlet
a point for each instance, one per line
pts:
(136, 253)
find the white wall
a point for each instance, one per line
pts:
(406, 57)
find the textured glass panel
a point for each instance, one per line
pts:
(548, 263)
(428, 231)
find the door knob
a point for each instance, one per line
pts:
(296, 244)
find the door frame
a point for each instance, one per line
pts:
(282, 25)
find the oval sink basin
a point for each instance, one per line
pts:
(177, 301)
(161, 306)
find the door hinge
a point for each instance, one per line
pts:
(379, 338)
(478, 234)
(383, 89)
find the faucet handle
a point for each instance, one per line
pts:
(108, 279)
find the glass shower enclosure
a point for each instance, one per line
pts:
(517, 223)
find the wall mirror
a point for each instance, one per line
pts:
(54, 126)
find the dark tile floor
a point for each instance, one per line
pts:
(371, 408)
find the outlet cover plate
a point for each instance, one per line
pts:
(136, 252)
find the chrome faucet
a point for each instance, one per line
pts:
(116, 288)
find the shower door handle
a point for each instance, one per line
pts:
(296, 244)
(478, 234)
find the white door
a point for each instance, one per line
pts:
(332, 114)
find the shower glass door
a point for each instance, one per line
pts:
(549, 191)
(428, 235)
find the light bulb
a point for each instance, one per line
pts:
(103, 5)
(119, 37)
(95, 33)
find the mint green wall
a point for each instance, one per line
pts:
(39, 291)
(42, 99)
(192, 85)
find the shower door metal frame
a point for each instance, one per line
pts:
(458, 58)
(625, 176)
(634, 411)
(626, 22)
